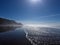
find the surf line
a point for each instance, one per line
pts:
(29, 38)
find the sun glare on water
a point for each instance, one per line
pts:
(36, 25)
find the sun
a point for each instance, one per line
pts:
(35, 1)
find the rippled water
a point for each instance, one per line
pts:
(43, 36)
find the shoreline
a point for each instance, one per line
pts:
(29, 38)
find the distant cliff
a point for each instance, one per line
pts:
(7, 22)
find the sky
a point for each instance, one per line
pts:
(29, 11)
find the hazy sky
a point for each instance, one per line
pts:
(31, 11)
